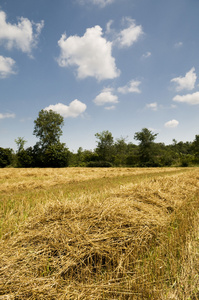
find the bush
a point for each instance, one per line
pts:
(25, 158)
(6, 157)
(54, 156)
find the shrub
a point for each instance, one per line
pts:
(6, 157)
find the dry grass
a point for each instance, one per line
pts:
(24, 179)
(23, 191)
(100, 234)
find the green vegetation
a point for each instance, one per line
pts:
(48, 128)
(50, 152)
(6, 157)
(146, 147)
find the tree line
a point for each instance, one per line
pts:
(50, 152)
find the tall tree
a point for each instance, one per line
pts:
(105, 146)
(146, 146)
(48, 128)
(120, 151)
(49, 151)
(20, 143)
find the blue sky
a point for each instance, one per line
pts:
(117, 65)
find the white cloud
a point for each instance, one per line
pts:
(110, 107)
(73, 110)
(187, 82)
(7, 65)
(171, 124)
(178, 45)
(131, 87)
(91, 53)
(146, 55)
(153, 106)
(23, 35)
(101, 3)
(192, 99)
(105, 97)
(7, 116)
(109, 30)
(128, 36)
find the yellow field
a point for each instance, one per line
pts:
(15, 179)
(80, 233)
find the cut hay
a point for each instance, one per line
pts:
(114, 243)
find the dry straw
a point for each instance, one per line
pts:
(130, 239)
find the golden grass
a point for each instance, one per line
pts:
(23, 190)
(23, 179)
(100, 234)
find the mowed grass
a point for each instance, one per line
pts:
(80, 233)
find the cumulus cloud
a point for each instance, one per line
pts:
(192, 99)
(187, 82)
(91, 54)
(6, 116)
(131, 87)
(101, 3)
(7, 65)
(171, 124)
(23, 35)
(152, 106)
(73, 110)
(106, 97)
(128, 36)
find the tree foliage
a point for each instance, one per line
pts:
(120, 148)
(145, 137)
(55, 156)
(48, 128)
(6, 157)
(146, 146)
(195, 148)
(25, 158)
(20, 143)
(50, 152)
(105, 146)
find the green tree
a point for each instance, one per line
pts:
(55, 156)
(49, 151)
(146, 146)
(120, 151)
(132, 158)
(195, 147)
(22, 157)
(105, 147)
(182, 153)
(48, 128)
(79, 156)
(20, 143)
(25, 158)
(6, 157)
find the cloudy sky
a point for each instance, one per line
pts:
(117, 65)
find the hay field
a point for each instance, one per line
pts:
(80, 233)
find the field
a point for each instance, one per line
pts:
(83, 233)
